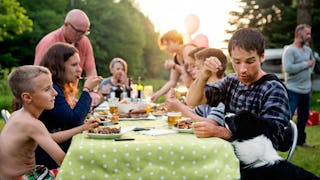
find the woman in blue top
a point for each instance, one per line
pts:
(63, 61)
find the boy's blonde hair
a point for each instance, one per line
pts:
(21, 79)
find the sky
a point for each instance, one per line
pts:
(171, 14)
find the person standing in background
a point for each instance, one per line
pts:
(75, 29)
(298, 64)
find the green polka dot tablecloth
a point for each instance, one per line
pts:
(173, 156)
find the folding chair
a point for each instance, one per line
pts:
(292, 125)
(5, 114)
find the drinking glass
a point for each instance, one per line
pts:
(172, 118)
(113, 105)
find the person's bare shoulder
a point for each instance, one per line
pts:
(18, 142)
(24, 124)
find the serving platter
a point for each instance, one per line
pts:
(150, 117)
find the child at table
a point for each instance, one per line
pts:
(32, 87)
(213, 113)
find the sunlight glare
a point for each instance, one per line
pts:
(170, 14)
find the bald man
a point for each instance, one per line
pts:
(74, 30)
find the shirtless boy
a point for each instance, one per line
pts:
(32, 87)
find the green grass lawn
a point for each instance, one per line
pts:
(308, 158)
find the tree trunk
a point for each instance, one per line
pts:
(304, 12)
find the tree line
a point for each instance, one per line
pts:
(120, 29)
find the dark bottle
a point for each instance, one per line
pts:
(140, 88)
(118, 90)
(129, 88)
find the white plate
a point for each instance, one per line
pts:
(183, 130)
(109, 136)
(150, 117)
(103, 136)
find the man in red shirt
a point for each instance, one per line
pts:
(74, 30)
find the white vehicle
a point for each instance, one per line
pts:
(273, 64)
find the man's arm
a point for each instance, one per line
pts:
(196, 93)
(209, 128)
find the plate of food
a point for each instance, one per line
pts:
(104, 132)
(159, 109)
(184, 125)
(107, 132)
(136, 114)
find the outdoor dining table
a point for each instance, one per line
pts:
(172, 155)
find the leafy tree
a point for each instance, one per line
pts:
(276, 19)
(118, 29)
(304, 13)
(13, 20)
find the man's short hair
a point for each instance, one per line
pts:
(247, 39)
(300, 28)
(21, 79)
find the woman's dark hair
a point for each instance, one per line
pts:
(54, 60)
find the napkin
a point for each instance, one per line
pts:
(157, 132)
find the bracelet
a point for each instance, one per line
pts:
(86, 89)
